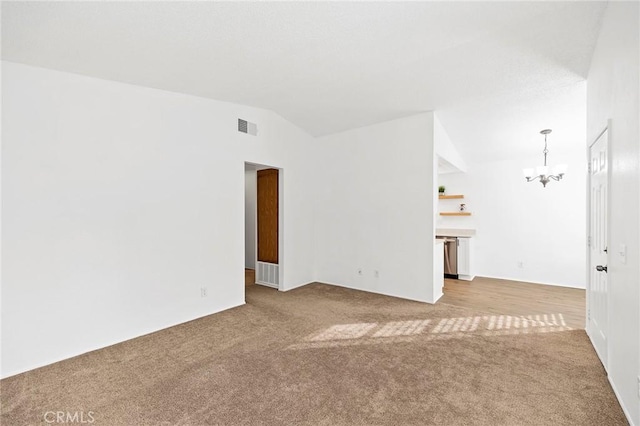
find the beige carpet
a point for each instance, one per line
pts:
(323, 355)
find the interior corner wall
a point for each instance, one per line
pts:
(613, 90)
(524, 231)
(121, 202)
(375, 208)
(444, 148)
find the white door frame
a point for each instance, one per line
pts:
(607, 130)
(260, 166)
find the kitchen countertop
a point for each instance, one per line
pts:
(448, 232)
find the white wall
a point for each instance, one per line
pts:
(250, 199)
(613, 92)
(518, 221)
(1, 221)
(444, 148)
(375, 208)
(120, 202)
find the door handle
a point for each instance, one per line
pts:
(601, 268)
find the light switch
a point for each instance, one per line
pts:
(623, 253)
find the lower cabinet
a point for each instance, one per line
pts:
(464, 259)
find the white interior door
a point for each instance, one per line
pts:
(597, 292)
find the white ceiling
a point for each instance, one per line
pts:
(507, 126)
(497, 71)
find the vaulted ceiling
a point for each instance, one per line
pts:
(497, 72)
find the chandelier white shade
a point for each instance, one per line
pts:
(545, 173)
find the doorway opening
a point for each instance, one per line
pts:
(263, 225)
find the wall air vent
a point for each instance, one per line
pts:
(242, 125)
(246, 127)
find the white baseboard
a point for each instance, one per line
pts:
(625, 410)
(372, 291)
(296, 286)
(267, 284)
(588, 331)
(118, 341)
(531, 282)
(613, 386)
(438, 296)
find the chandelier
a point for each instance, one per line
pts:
(545, 173)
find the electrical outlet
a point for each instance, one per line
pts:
(203, 292)
(376, 273)
(359, 271)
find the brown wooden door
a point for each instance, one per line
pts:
(268, 215)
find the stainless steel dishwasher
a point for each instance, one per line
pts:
(450, 257)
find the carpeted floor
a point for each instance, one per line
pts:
(323, 355)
